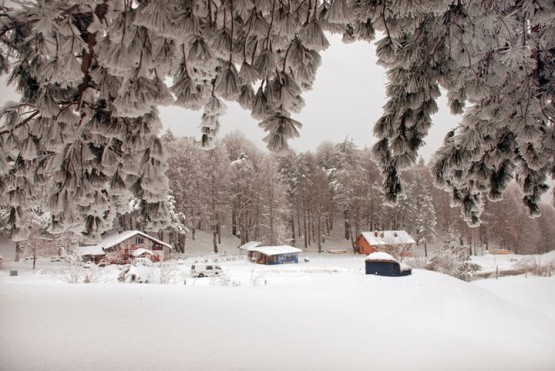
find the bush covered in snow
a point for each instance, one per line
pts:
(537, 266)
(78, 271)
(453, 259)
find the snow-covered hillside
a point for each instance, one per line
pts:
(324, 314)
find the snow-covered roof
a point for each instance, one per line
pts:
(388, 238)
(95, 250)
(381, 256)
(249, 246)
(276, 250)
(385, 257)
(140, 251)
(118, 238)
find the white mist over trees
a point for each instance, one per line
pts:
(85, 136)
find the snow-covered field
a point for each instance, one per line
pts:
(324, 314)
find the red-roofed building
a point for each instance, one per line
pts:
(397, 242)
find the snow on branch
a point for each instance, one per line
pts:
(91, 75)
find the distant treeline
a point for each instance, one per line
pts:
(297, 198)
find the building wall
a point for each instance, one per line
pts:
(383, 268)
(274, 259)
(363, 247)
(391, 269)
(284, 258)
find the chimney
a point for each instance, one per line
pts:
(375, 233)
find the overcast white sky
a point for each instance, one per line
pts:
(346, 101)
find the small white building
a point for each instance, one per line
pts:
(271, 255)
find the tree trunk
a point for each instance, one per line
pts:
(347, 225)
(357, 224)
(215, 238)
(233, 221)
(271, 217)
(299, 220)
(183, 239)
(18, 251)
(292, 221)
(305, 225)
(219, 233)
(319, 224)
(257, 220)
(172, 239)
(353, 243)
(243, 234)
(312, 228)
(425, 249)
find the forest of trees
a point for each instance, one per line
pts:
(298, 198)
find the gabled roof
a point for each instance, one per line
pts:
(380, 257)
(383, 257)
(276, 250)
(378, 238)
(90, 250)
(120, 237)
(140, 251)
(115, 239)
(250, 246)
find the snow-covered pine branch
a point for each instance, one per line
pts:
(91, 75)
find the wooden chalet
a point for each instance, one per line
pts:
(126, 242)
(387, 241)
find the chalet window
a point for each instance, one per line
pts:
(140, 240)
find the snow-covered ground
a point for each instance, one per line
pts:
(324, 314)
